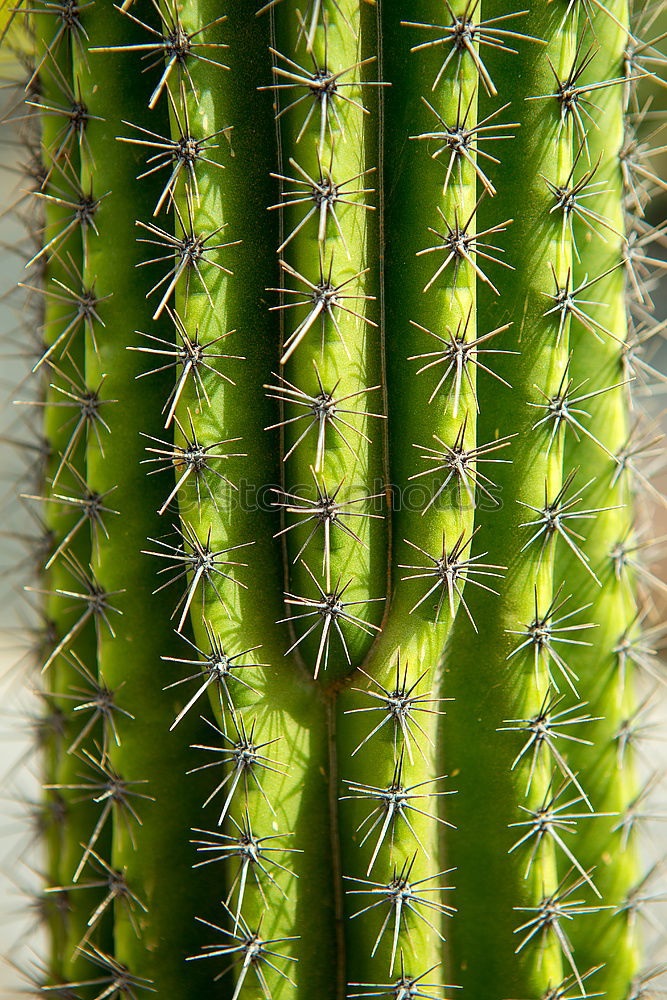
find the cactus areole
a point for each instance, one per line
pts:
(340, 323)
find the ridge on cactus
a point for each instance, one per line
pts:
(337, 325)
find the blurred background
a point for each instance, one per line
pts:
(19, 768)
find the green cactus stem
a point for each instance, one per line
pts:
(357, 615)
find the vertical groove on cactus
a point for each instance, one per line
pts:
(429, 290)
(273, 706)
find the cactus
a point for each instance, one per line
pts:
(344, 609)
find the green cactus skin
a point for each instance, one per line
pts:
(142, 630)
(342, 584)
(70, 907)
(615, 604)
(509, 666)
